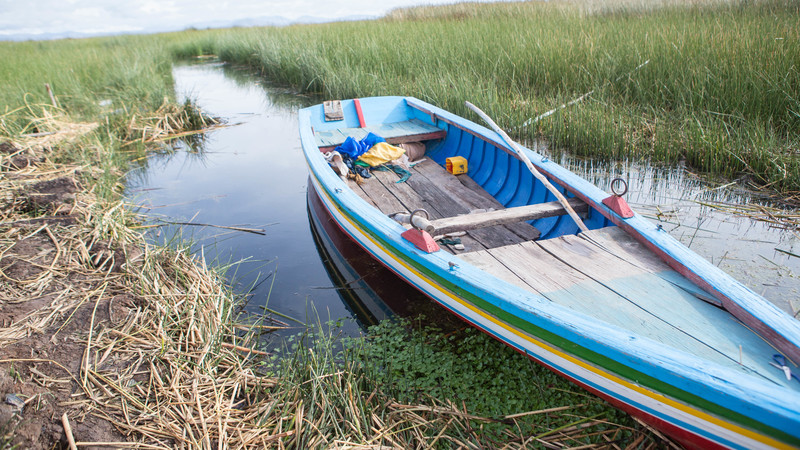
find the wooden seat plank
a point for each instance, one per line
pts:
(505, 216)
(473, 195)
(395, 133)
(411, 200)
(448, 206)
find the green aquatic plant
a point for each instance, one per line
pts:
(417, 360)
(410, 384)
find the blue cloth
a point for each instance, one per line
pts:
(356, 148)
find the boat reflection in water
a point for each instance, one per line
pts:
(371, 292)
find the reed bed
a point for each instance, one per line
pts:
(718, 92)
(781, 218)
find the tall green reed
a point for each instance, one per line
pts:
(729, 69)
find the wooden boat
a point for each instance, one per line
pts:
(622, 309)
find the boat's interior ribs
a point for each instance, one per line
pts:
(466, 216)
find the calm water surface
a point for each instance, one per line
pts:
(252, 174)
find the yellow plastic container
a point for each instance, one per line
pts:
(456, 165)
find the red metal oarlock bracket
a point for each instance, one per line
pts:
(421, 239)
(616, 202)
(619, 206)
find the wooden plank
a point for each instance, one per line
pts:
(469, 200)
(326, 138)
(448, 206)
(537, 268)
(705, 323)
(496, 236)
(487, 262)
(529, 266)
(395, 133)
(358, 190)
(619, 243)
(404, 193)
(411, 201)
(505, 216)
(444, 179)
(420, 137)
(381, 197)
(386, 194)
(525, 230)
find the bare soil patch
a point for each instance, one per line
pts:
(50, 267)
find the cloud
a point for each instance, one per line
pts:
(152, 7)
(65, 17)
(88, 14)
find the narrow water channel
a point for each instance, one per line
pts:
(251, 174)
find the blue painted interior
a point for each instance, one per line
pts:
(518, 187)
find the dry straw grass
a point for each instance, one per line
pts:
(777, 217)
(168, 122)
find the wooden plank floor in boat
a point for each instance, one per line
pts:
(442, 194)
(606, 274)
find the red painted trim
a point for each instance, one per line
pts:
(360, 114)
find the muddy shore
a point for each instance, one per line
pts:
(89, 328)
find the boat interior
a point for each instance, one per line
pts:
(512, 228)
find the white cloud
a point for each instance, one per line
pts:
(153, 7)
(35, 17)
(88, 14)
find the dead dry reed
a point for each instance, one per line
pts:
(170, 121)
(776, 217)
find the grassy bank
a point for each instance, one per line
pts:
(121, 85)
(116, 340)
(719, 91)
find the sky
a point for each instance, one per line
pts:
(43, 19)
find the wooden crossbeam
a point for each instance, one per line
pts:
(504, 216)
(395, 133)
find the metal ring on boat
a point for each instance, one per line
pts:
(614, 183)
(411, 217)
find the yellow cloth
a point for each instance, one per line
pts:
(380, 153)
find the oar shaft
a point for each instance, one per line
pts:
(530, 166)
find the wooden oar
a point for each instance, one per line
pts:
(530, 166)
